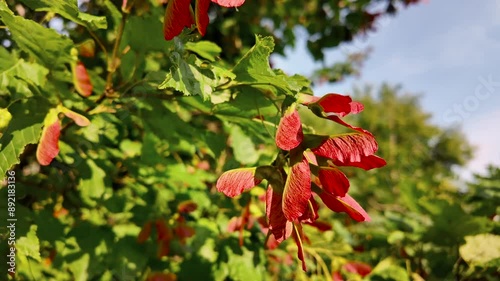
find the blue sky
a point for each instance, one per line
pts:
(448, 52)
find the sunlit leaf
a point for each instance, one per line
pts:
(5, 118)
(243, 146)
(388, 269)
(480, 249)
(24, 128)
(254, 67)
(92, 182)
(190, 77)
(68, 9)
(14, 72)
(205, 49)
(56, 47)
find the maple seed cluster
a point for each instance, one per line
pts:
(308, 166)
(179, 14)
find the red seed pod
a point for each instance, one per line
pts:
(81, 80)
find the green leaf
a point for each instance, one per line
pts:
(451, 224)
(5, 118)
(179, 176)
(254, 68)
(205, 49)
(116, 15)
(249, 103)
(68, 9)
(79, 267)
(243, 147)
(242, 266)
(160, 115)
(28, 245)
(13, 77)
(131, 148)
(481, 249)
(6, 59)
(92, 185)
(388, 270)
(25, 128)
(56, 47)
(145, 34)
(190, 76)
(252, 110)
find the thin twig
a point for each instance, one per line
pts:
(99, 42)
(114, 56)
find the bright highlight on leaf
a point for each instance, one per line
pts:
(5, 118)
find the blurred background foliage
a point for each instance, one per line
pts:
(132, 197)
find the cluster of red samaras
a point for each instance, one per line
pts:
(179, 14)
(164, 234)
(312, 167)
